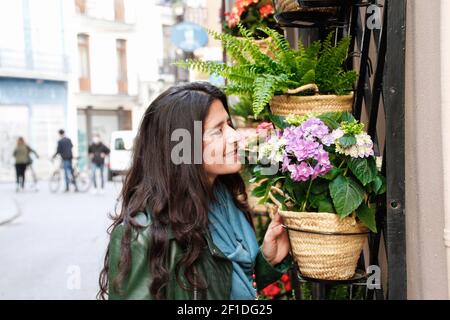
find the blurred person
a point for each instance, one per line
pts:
(185, 230)
(22, 155)
(97, 152)
(64, 149)
(31, 169)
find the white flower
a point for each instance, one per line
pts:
(331, 138)
(379, 162)
(273, 149)
(362, 149)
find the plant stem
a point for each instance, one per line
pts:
(345, 173)
(307, 196)
(341, 164)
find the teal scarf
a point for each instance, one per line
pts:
(234, 236)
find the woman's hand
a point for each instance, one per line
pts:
(276, 242)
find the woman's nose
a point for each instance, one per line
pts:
(232, 135)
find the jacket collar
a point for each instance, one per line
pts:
(144, 219)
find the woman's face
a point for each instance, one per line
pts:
(220, 142)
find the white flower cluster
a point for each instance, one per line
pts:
(362, 149)
(273, 149)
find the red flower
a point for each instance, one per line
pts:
(288, 286)
(287, 282)
(244, 3)
(271, 290)
(266, 10)
(233, 17)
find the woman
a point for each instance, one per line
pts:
(22, 160)
(184, 230)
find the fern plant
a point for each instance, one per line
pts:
(254, 73)
(243, 109)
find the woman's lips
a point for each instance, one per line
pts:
(233, 154)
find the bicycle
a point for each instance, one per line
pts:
(31, 177)
(81, 178)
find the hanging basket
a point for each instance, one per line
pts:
(323, 245)
(296, 6)
(284, 105)
(327, 3)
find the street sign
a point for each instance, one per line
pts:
(189, 36)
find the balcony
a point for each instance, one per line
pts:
(16, 63)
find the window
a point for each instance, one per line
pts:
(122, 81)
(80, 6)
(84, 71)
(119, 10)
(119, 144)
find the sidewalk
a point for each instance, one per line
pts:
(9, 209)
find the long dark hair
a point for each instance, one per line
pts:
(177, 196)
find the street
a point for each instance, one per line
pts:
(55, 248)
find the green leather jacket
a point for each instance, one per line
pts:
(213, 265)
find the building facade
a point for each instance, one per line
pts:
(34, 75)
(103, 86)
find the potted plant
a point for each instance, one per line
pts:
(293, 81)
(251, 14)
(324, 180)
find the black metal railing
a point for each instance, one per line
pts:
(379, 50)
(380, 100)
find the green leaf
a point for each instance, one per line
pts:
(347, 140)
(331, 119)
(383, 186)
(364, 169)
(271, 183)
(376, 184)
(332, 174)
(367, 216)
(348, 117)
(280, 198)
(326, 206)
(347, 195)
(260, 191)
(288, 187)
(265, 87)
(296, 191)
(257, 171)
(309, 77)
(322, 203)
(319, 186)
(278, 121)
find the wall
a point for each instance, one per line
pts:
(35, 110)
(426, 261)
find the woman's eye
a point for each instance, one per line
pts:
(217, 132)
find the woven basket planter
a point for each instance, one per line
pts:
(284, 105)
(323, 245)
